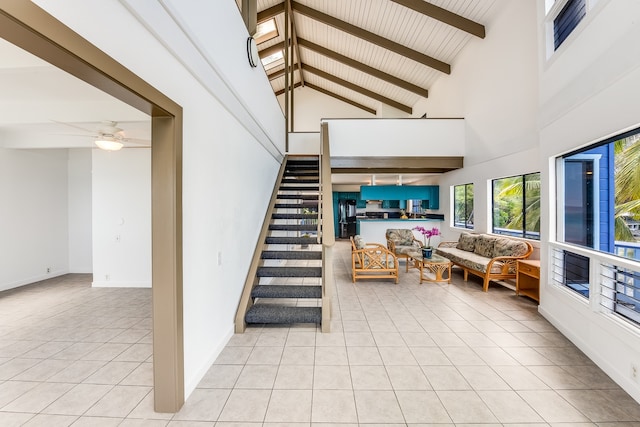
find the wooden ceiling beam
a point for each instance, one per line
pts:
(271, 12)
(359, 89)
(395, 164)
(280, 73)
(364, 68)
(372, 38)
(271, 50)
(294, 39)
(249, 15)
(281, 91)
(443, 15)
(341, 98)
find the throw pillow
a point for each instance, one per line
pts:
(466, 242)
(484, 245)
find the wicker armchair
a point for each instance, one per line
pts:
(401, 242)
(372, 261)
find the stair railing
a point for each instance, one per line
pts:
(326, 230)
(252, 280)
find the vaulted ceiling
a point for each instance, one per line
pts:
(367, 52)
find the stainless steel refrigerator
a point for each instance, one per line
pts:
(347, 218)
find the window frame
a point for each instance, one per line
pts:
(454, 223)
(552, 10)
(523, 233)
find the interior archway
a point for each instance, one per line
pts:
(32, 29)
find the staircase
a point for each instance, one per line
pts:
(287, 287)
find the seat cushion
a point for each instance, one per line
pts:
(404, 250)
(469, 259)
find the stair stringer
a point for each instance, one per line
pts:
(252, 280)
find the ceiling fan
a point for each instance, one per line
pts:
(108, 136)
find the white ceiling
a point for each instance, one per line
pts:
(390, 20)
(42, 106)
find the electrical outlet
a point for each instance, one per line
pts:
(634, 372)
(106, 277)
(48, 270)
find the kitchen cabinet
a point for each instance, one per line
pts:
(402, 193)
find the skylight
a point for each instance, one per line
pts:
(265, 31)
(273, 60)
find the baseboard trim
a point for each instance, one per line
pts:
(113, 284)
(31, 280)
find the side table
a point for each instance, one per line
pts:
(528, 278)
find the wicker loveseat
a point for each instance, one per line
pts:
(401, 242)
(487, 256)
(372, 261)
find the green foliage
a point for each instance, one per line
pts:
(516, 203)
(627, 185)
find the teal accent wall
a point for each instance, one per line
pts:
(337, 195)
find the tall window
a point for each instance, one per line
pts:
(463, 206)
(516, 206)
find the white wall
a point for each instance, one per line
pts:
(589, 89)
(397, 137)
(195, 53)
(79, 212)
(33, 216)
(312, 106)
(121, 220)
(304, 143)
(493, 86)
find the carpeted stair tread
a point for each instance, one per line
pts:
(301, 172)
(294, 216)
(298, 196)
(296, 205)
(293, 227)
(283, 314)
(291, 255)
(300, 181)
(302, 163)
(299, 188)
(277, 240)
(289, 272)
(286, 291)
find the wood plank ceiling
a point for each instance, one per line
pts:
(367, 52)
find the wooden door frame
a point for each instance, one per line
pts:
(29, 27)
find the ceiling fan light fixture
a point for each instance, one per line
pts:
(109, 144)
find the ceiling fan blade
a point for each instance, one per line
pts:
(137, 140)
(76, 134)
(74, 126)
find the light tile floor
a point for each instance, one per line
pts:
(398, 355)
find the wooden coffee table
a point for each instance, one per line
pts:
(436, 264)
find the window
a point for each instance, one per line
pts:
(273, 60)
(598, 190)
(266, 31)
(463, 206)
(516, 206)
(568, 19)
